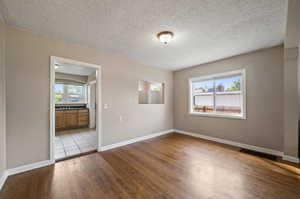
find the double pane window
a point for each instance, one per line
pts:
(219, 94)
(70, 93)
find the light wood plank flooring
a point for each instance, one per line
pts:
(171, 166)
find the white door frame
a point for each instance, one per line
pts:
(98, 68)
(89, 99)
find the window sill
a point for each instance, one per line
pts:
(241, 117)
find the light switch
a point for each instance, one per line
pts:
(105, 106)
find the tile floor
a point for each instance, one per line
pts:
(74, 144)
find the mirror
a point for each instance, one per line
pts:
(151, 92)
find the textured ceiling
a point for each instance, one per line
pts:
(205, 30)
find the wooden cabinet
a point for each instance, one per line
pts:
(59, 119)
(71, 119)
(83, 118)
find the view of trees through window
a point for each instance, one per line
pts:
(68, 93)
(219, 95)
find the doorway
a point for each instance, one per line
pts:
(75, 108)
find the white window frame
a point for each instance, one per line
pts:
(220, 75)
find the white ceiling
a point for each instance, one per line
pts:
(205, 30)
(74, 69)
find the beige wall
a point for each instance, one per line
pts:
(293, 24)
(27, 74)
(264, 124)
(291, 80)
(291, 110)
(2, 100)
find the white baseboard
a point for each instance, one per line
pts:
(291, 158)
(3, 179)
(45, 163)
(22, 169)
(241, 145)
(29, 167)
(138, 139)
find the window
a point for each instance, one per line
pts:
(220, 95)
(151, 92)
(70, 93)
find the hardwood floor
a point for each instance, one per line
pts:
(171, 166)
(73, 131)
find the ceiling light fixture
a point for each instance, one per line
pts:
(165, 36)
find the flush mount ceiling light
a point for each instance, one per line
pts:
(165, 36)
